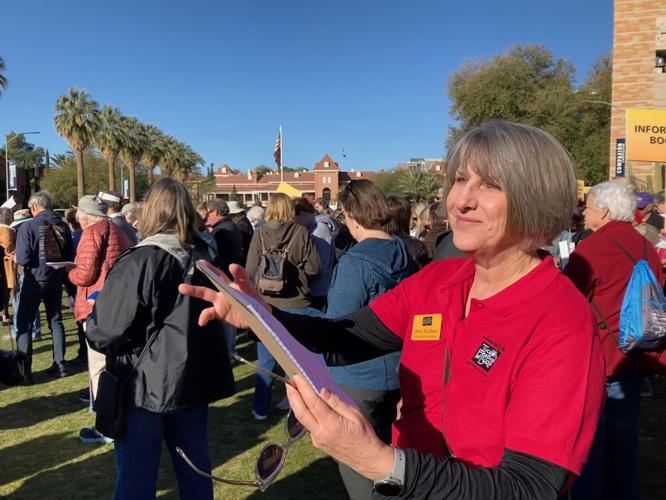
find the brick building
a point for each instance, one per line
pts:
(639, 74)
(325, 181)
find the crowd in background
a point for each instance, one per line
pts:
(337, 260)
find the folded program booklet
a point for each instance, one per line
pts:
(292, 356)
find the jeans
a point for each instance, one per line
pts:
(229, 339)
(138, 453)
(263, 384)
(32, 293)
(611, 471)
(37, 327)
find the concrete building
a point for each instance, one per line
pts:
(325, 181)
(434, 165)
(639, 76)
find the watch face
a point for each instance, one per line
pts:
(388, 488)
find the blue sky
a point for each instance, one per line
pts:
(368, 76)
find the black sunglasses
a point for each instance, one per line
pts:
(271, 458)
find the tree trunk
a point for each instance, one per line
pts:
(132, 184)
(151, 174)
(112, 172)
(80, 187)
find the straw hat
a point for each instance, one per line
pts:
(20, 216)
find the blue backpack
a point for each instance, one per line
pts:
(643, 313)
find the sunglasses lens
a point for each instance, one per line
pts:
(294, 428)
(269, 461)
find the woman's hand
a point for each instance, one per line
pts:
(221, 308)
(340, 430)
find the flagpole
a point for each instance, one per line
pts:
(281, 148)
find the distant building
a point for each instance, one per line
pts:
(639, 74)
(434, 165)
(325, 181)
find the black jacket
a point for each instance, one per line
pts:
(187, 365)
(245, 228)
(229, 243)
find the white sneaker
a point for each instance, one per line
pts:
(258, 417)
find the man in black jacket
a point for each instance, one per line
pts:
(43, 239)
(239, 218)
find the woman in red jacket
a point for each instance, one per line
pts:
(100, 245)
(600, 269)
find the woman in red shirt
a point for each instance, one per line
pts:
(501, 369)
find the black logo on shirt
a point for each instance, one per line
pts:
(427, 321)
(486, 356)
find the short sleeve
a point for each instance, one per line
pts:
(557, 396)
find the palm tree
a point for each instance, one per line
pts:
(77, 121)
(3, 78)
(419, 185)
(187, 162)
(110, 139)
(132, 150)
(169, 155)
(153, 152)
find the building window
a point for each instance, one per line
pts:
(264, 196)
(326, 164)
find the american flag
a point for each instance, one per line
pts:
(277, 152)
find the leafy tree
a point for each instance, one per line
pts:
(23, 152)
(153, 152)
(529, 85)
(389, 183)
(110, 139)
(263, 170)
(169, 154)
(77, 121)
(3, 78)
(300, 168)
(418, 185)
(132, 150)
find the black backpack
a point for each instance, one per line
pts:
(271, 277)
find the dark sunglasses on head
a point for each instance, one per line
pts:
(271, 458)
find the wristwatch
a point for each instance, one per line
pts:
(393, 483)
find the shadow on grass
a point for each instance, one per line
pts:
(42, 454)
(83, 479)
(319, 480)
(31, 411)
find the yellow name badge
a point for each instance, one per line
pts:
(427, 327)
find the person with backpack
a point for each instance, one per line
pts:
(601, 267)
(185, 366)
(282, 261)
(45, 238)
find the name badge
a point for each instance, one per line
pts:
(426, 327)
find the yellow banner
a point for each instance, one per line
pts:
(646, 134)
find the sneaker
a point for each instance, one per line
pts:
(56, 370)
(283, 405)
(89, 435)
(258, 417)
(84, 397)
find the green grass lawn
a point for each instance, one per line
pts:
(41, 456)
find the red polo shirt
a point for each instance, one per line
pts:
(525, 370)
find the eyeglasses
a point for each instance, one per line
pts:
(271, 458)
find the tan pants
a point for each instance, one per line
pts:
(96, 363)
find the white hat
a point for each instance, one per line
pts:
(234, 207)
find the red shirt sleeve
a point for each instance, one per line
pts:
(557, 398)
(392, 308)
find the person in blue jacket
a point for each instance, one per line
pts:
(375, 264)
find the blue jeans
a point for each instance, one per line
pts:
(32, 293)
(263, 384)
(611, 471)
(229, 339)
(138, 453)
(37, 327)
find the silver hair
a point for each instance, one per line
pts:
(42, 199)
(619, 199)
(530, 166)
(88, 217)
(255, 214)
(219, 206)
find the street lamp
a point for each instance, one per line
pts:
(7, 141)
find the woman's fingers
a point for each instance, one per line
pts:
(199, 292)
(338, 405)
(207, 315)
(300, 409)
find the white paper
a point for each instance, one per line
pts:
(10, 203)
(60, 265)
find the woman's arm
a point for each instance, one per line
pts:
(348, 292)
(88, 260)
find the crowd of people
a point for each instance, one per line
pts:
(476, 334)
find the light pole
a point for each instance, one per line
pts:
(7, 141)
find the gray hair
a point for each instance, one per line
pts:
(42, 199)
(619, 199)
(530, 166)
(89, 217)
(6, 216)
(255, 214)
(659, 197)
(219, 206)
